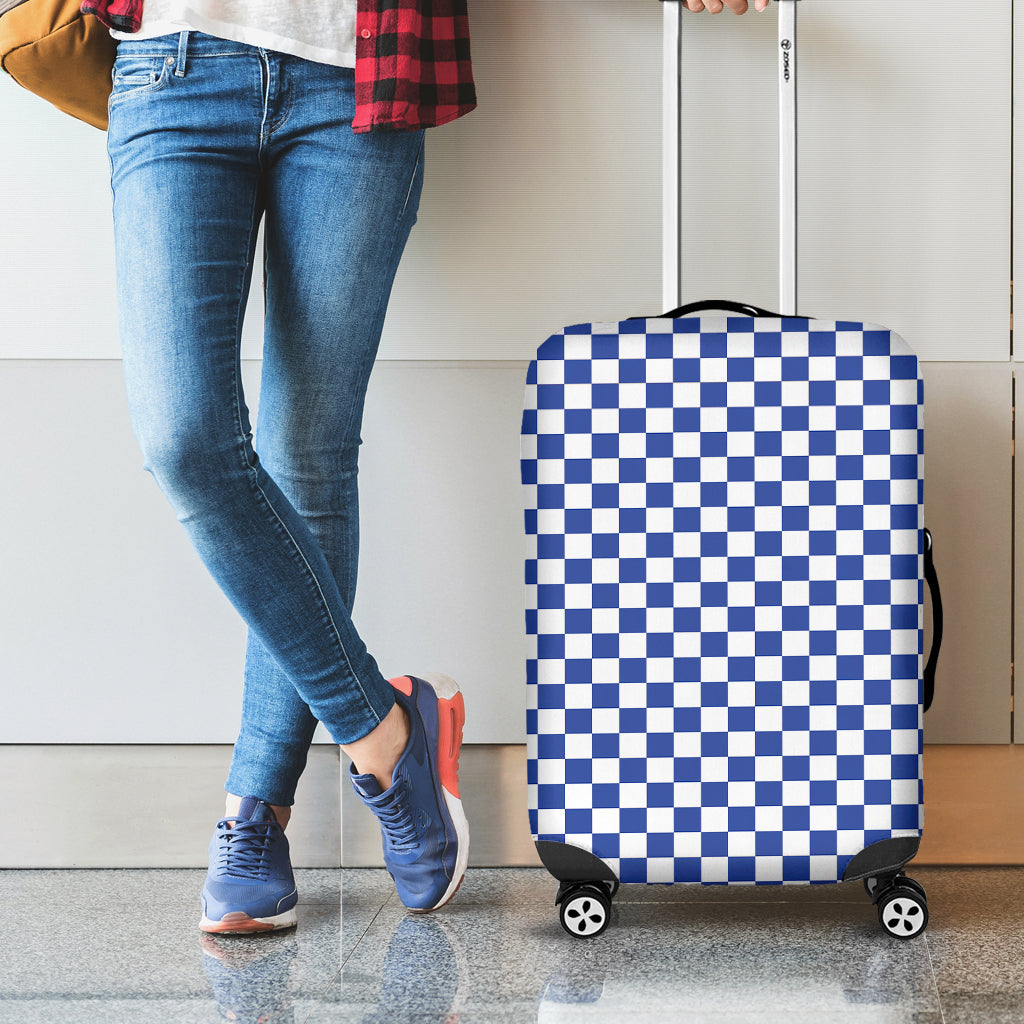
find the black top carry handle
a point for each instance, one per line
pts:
(727, 304)
(933, 588)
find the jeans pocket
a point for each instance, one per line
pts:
(133, 75)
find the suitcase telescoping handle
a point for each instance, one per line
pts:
(671, 179)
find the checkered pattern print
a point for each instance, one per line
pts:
(123, 15)
(413, 67)
(724, 581)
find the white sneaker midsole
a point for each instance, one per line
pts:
(462, 831)
(285, 920)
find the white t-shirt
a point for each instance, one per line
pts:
(320, 30)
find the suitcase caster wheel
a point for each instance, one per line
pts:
(871, 885)
(585, 911)
(910, 883)
(903, 911)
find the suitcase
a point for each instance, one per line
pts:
(725, 580)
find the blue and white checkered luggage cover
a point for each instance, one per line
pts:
(724, 577)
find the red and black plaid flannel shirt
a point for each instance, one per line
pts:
(413, 68)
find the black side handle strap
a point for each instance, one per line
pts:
(725, 304)
(933, 588)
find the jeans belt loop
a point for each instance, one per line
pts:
(179, 69)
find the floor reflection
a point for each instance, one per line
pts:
(424, 972)
(498, 954)
(251, 976)
(725, 986)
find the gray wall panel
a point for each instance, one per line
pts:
(154, 806)
(96, 793)
(968, 508)
(1018, 228)
(56, 283)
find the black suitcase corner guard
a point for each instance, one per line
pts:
(573, 864)
(882, 858)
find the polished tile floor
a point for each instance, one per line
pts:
(122, 946)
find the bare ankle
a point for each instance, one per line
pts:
(378, 752)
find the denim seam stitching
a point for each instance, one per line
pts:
(157, 84)
(264, 64)
(316, 588)
(311, 575)
(412, 179)
(279, 123)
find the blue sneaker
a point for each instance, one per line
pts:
(424, 828)
(250, 886)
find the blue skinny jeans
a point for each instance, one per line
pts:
(206, 137)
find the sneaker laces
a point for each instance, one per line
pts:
(244, 848)
(396, 819)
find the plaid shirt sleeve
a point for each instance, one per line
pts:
(123, 15)
(413, 66)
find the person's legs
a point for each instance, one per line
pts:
(339, 209)
(188, 164)
(192, 146)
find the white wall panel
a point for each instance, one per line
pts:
(57, 260)
(540, 208)
(111, 630)
(441, 586)
(57, 284)
(904, 167)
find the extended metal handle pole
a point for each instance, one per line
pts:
(671, 290)
(671, 184)
(787, 157)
